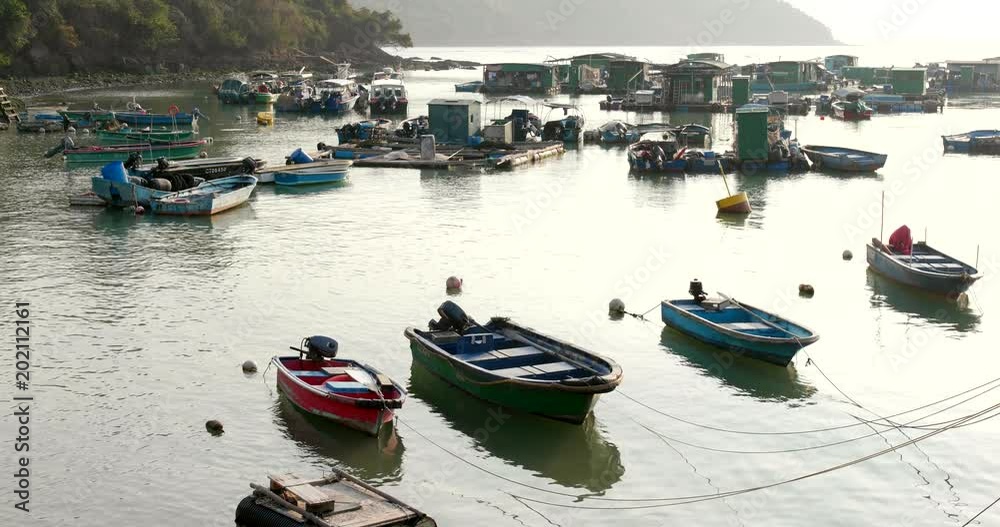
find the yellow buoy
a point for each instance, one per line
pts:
(265, 118)
(736, 204)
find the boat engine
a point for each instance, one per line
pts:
(697, 291)
(134, 161)
(319, 347)
(452, 318)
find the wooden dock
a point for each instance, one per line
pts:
(407, 155)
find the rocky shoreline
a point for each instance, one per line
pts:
(31, 87)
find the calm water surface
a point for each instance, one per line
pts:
(141, 324)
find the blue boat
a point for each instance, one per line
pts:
(367, 130)
(211, 197)
(741, 328)
(844, 159)
(127, 193)
(655, 154)
(335, 96)
(924, 268)
(569, 128)
(313, 173)
(469, 87)
(618, 133)
(154, 119)
(962, 143)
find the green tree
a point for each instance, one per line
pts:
(15, 29)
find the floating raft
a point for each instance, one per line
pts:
(407, 155)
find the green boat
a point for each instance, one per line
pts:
(127, 136)
(106, 154)
(266, 98)
(513, 366)
(93, 116)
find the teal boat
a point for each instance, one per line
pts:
(513, 366)
(130, 137)
(211, 197)
(106, 154)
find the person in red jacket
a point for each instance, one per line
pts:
(901, 242)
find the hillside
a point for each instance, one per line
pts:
(53, 37)
(585, 22)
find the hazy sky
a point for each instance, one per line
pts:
(867, 21)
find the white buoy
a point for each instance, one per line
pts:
(616, 307)
(249, 367)
(848, 255)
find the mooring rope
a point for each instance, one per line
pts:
(801, 432)
(980, 513)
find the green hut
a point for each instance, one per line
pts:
(908, 81)
(698, 81)
(520, 78)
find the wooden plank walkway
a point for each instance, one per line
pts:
(8, 113)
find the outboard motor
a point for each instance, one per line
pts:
(697, 291)
(134, 161)
(319, 347)
(452, 318)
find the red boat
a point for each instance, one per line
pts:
(852, 111)
(348, 392)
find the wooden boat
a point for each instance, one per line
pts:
(207, 168)
(925, 268)
(345, 391)
(152, 119)
(851, 111)
(513, 366)
(844, 159)
(742, 328)
(569, 128)
(653, 154)
(962, 143)
(124, 193)
(93, 115)
(337, 500)
(104, 154)
(312, 173)
(211, 197)
(129, 136)
(469, 87)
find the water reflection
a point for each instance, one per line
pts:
(374, 459)
(573, 456)
(750, 377)
(921, 304)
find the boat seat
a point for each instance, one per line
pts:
(922, 257)
(514, 372)
(746, 326)
(937, 265)
(556, 367)
(522, 351)
(309, 373)
(557, 375)
(498, 361)
(474, 356)
(475, 343)
(345, 387)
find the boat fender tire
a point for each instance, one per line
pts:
(140, 181)
(251, 514)
(162, 164)
(160, 184)
(321, 146)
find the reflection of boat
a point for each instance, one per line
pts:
(379, 460)
(514, 366)
(572, 456)
(911, 301)
(748, 376)
(342, 390)
(729, 324)
(844, 159)
(925, 268)
(335, 500)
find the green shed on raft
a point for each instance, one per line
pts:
(521, 78)
(908, 81)
(454, 120)
(741, 90)
(751, 132)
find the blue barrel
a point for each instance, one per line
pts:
(115, 171)
(299, 157)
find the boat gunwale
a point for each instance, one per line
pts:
(609, 381)
(393, 403)
(802, 341)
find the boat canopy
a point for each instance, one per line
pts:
(561, 106)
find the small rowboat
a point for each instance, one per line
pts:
(744, 329)
(211, 197)
(105, 154)
(852, 111)
(962, 143)
(131, 137)
(844, 159)
(336, 500)
(342, 390)
(514, 366)
(305, 174)
(469, 87)
(924, 268)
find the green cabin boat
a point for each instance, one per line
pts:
(107, 154)
(127, 136)
(513, 366)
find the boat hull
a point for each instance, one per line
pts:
(266, 98)
(775, 351)
(149, 151)
(303, 177)
(946, 285)
(367, 420)
(572, 407)
(149, 119)
(387, 107)
(118, 194)
(198, 201)
(846, 160)
(131, 138)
